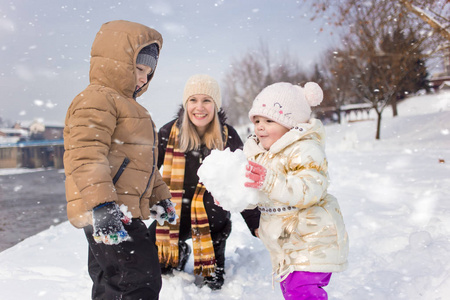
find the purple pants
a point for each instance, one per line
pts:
(305, 285)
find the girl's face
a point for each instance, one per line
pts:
(200, 109)
(142, 72)
(268, 131)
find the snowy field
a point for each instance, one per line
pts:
(394, 194)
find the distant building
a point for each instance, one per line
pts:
(438, 79)
(445, 86)
(344, 113)
(12, 135)
(32, 145)
(40, 130)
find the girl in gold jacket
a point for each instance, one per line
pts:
(301, 224)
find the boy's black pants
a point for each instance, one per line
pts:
(129, 270)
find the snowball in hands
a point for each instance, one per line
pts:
(223, 175)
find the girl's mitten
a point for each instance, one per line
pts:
(257, 173)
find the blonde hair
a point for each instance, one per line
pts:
(190, 140)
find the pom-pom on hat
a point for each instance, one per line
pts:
(148, 56)
(202, 84)
(287, 104)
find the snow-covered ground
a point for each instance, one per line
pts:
(394, 194)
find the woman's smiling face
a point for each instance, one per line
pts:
(200, 109)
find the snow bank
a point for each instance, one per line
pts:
(393, 194)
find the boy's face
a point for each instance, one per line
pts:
(142, 72)
(268, 131)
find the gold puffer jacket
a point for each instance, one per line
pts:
(108, 134)
(301, 224)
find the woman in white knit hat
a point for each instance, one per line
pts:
(183, 144)
(301, 224)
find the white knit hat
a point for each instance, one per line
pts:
(202, 84)
(287, 104)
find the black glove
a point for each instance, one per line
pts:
(163, 211)
(108, 220)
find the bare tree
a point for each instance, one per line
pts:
(378, 59)
(385, 46)
(434, 13)
(251, 73)
(428, 17)
(242, 83)
(337, 74)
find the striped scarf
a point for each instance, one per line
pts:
(167, 236)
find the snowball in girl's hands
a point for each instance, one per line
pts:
(223, 174)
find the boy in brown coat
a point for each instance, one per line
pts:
(112, 181)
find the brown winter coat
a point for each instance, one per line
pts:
(105, 126)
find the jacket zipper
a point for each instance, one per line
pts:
(154, 162)
(122, 167)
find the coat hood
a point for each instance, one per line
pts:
(114, 53)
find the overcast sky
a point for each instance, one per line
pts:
(45, 46)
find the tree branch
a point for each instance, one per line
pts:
(426, 18)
